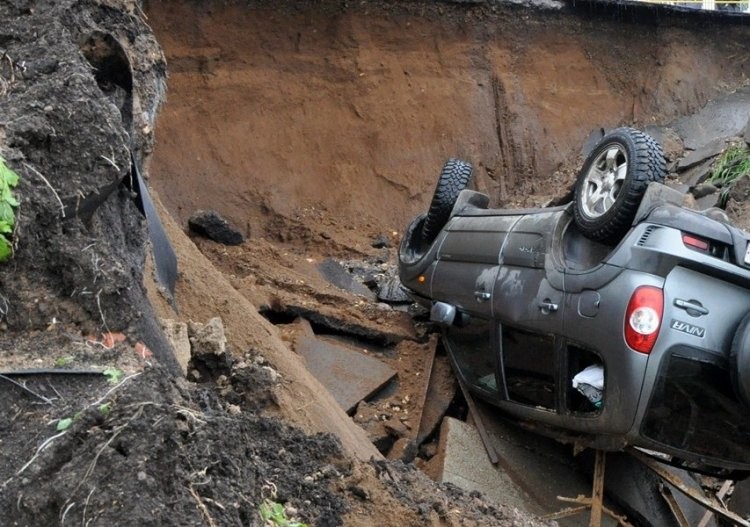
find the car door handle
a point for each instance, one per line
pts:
(548, 307)
(693, 307)
(482, 296)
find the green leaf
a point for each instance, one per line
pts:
(6, 250)
(273, 512)
(12, 201)
(265, 511)
(113, 375)
(7, 175)
(105, 408)
(64, 424)
(5, 228)
(6, 213)
(61, 362)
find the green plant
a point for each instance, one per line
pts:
(273, 513)
(732, 165)
(62, 362)
(105, 408)
(113, 375)
(64, 424)
(8, 204)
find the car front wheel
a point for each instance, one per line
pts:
(454, 177)
(612, 182)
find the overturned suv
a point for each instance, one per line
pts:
(618, 319)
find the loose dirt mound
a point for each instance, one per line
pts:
(69, 134)
(159, 455)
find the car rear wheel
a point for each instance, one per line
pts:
(739, 361)
(612, 182)
(454, 177)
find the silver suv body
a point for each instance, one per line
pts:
(644, 342)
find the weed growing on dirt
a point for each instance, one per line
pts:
(272, 513)
(64, 424)
(8, 204)
(113, 375)
(63, 362)
(732, 165)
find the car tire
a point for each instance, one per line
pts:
(612, 182)
(454, 177)
(739, 361)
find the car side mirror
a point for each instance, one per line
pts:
(442, 313)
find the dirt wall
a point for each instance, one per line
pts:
(307, 121)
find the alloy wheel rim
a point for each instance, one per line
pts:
(604, 180)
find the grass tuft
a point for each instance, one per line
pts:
(732, 165)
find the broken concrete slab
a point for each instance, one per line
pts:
(721, 118)
(350, 376)
(747, 132)
(336, 274)
(697, 174)
(440, 393)
(177, 335)
(703, 190)
(676, 184)
(740, 190)
(213, 226)
(208, 338)
(540, 466)
(333, 320)
(708, 201)
(462, 461)
(703, 153)
(392, 291)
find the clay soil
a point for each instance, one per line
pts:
(314, 128)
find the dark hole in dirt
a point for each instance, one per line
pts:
(122, 450)
(111, 70)
(324, 325)
(277, 317)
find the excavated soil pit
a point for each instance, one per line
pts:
(317, 129)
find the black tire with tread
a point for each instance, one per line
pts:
(454, 177)
(646, 164)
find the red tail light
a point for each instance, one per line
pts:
(693, 242)
(643, 318)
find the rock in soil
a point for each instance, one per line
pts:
(207, 339)
(381, 241)
(701, 154)
(210, 224)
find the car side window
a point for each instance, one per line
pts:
(529, 367)
(471, 349)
